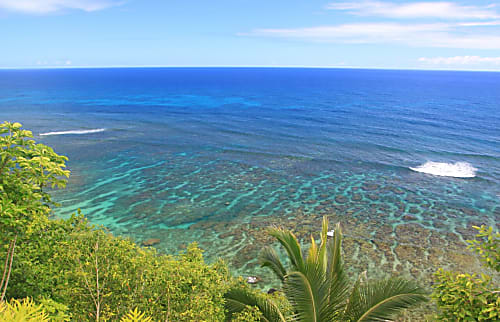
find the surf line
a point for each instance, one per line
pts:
(456, 170)
(72, 132)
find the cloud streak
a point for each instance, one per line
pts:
(439, 10)
(65, 62)
(444, 35)
(52, 6)
(441, 24)
(460, 61)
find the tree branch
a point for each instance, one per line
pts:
(10, 268)
(6, 265)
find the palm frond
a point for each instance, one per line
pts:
(338, 283)
(381, 300)
(335, 263)
(269, 258)
(355, 298)
(288, 240)
(306, 293)
(319, 255)
(317, 286)
(338, 292)
(323, 252)
(238, 298)
(313, 254)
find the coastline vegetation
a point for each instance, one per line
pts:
(469, 297)
(67, 269)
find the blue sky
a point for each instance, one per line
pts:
(366, 34)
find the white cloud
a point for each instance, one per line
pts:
(51, 6)
(448, 35)
(56, 63)
(460, 60)
(440, 10)
(358, 32)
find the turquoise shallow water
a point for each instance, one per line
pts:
(217, 155)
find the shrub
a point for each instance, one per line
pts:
(26, 170)
(487, 246)
(95, 274)
(466, 297)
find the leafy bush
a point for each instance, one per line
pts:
(57, 312)
(249, 314)
(487, 246)
(26, 169)
(164, 287)
(466, 297)
(69, 258)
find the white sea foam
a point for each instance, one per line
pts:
(73, 132)
(457, 169)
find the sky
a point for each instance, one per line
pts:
(463, 35)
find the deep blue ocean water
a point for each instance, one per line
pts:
(215, 155)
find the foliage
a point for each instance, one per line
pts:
(318, 288)
(466, 297)
(26, 168)
(163, 287)
(39, 268)
(62, 262)
(57, 312)
(487, 246)
(22, 311)
(135, 316)
(242, 301)
(249, 314)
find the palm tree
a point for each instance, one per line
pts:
(318, 289)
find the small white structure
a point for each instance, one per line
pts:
(330, 233)
(252, 279)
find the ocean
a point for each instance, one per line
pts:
(406, 161)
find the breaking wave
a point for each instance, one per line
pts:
(456, 170)
(73, 132)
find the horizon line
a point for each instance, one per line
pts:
(247, 66)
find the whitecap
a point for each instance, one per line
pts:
(456, 170)
(73, 132)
